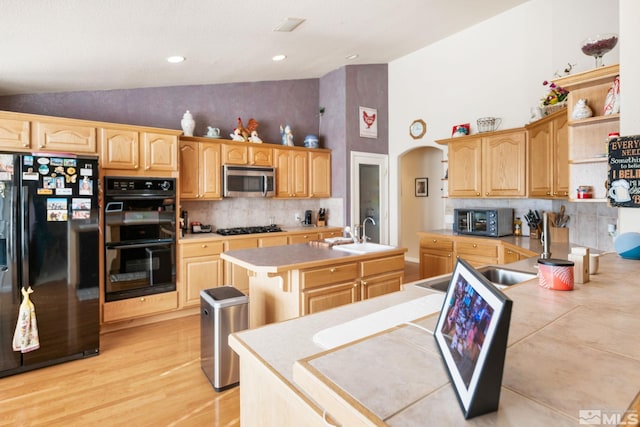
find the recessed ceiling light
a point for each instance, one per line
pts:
(352, 56)
(175, 59)
(279, 57)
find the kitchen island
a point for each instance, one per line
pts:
(567, 352)
(296, 280)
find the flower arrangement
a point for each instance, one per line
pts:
(556, 94)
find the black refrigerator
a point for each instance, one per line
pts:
(49, 226)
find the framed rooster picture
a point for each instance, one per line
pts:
(368, 122)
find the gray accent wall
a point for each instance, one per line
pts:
(293, 102)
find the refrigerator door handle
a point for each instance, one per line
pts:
(24, 240)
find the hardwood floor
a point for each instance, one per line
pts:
(411, 271)
(144, 376)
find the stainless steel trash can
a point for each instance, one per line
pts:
(223, 311)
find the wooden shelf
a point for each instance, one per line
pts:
(594, 119)
(588, 160)
(588, 200)
(588, 137)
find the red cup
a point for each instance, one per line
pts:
(555, 274)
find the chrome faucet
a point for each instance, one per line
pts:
(546, 237)
(354, 236)
(364, 232)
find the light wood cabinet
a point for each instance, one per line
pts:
(439, 253)
(131, 308)
(319, 299)
(259, 155)
(233, 273)
(548, 157)
(436, 256)
(488, 165)
(234, 154)
(15, 134)
(328, 287)
(292, 173)
(588, 163)
(200, 268)
(510, 254)
(269, 241)
(379, 277)
(200, 171)
(64, 136)
(477, 252)
(130, 149)
(303, 237)
(160, 152)
(319, 174)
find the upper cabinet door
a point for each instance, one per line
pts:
(465, 168)
(14, 134)
(119, 149)
(504, 164)
(66, 137)
(320, 174)
(160, 152)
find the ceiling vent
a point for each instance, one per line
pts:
(289, 24)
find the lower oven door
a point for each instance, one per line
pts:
(139, 269)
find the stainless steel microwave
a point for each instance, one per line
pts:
(483, 222)
(248, 181)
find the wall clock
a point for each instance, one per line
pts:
(417, 129)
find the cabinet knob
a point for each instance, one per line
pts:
(142, 299)
(475, 245)
(548, 193)
(477, 194)
(486, 194)
(449, 255)
(204, 245)
(364, 282)
(333, 270)
(434, 240)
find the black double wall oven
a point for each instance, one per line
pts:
(140, 236)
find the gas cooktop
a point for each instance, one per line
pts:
(248, 230)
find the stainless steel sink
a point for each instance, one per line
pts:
(499, 276)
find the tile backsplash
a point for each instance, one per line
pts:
(243, 212)
(587, 221)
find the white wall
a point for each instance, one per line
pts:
(495, 68)
(629, 219)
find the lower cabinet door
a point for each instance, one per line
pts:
(324, 298)
(435, 263)
(200, 273)
(380, 285)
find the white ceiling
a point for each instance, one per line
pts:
(73, 45)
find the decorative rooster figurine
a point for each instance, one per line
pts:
(246, 132)
(368, 119)
(241, 130)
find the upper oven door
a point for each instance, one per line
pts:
(248, 181)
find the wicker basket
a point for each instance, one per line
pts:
(550, 109)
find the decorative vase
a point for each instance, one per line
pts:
(581, 110)
(188, 124)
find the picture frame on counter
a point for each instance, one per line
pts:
(422, 187)
(471, 335)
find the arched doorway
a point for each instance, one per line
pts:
(422, 201)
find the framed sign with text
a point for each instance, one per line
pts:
(624, 172)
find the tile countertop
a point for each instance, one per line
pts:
(567, 351)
